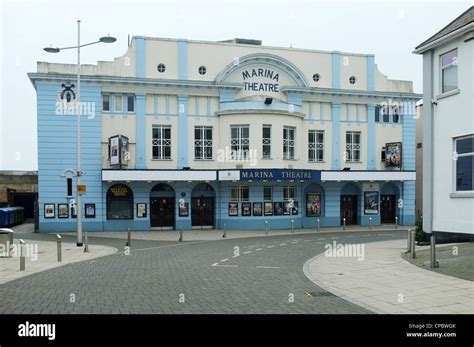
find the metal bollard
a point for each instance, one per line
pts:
(343, 224)
(409, 240)
(318, 223)
(22, 256)
(129, 238)
(370, 223)
(434, 262)
(292, 225)
(225, 231)
(59, 241)
(266, 227)
(412, 244)
(180, 234)
(86, 242)
(396, 222)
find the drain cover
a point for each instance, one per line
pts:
(314, 294)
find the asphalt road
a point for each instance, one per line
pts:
(238, 276)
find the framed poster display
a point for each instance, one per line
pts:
(63, 211)
(257, 209)
(277, 208)
(246, 209)
(184, 209)
(294, 210)
(49, 211)
(233, 209)
(313, 204)
(268, 209)
(90, 210)
(286, 208)
(141, 210)
(371, 202)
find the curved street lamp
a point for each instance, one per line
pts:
(78, 173)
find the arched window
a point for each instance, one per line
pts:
(119, 202)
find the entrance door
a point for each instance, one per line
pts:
(349, 209)
(202, 212)
(388, 209)
(162, 212)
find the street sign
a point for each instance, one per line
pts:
(81, 188)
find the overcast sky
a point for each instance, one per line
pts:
(390, 30)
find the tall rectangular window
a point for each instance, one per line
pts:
(288, 193)
(266, 141)
(106, 102)
(464, 163)
(161, 142)
(449, 71)
(352, 146)
(316, 145)
(239, 193)
(239, 141)
(202, 143)
(130, 103)
(288, 143)
(377, 114)
(267, 193)
(118, 103)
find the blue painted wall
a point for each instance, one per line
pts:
(140, 55)
(336, 147)
(182, 131)
(140, 128)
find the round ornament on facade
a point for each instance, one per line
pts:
(161, 68)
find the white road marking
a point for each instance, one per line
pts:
(295, 242)
(215, 264)
(333, 238)
(307, 240)
(248, 252)
(223, 260)
(270, 246)
(259, 249)
(234, 256)
(320, 239)
(282, 244)
(267, 267)
(227, 265)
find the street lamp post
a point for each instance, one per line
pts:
(78, 173)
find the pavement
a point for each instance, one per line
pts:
(384, 282)
(42, 255)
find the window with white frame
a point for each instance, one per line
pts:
(239, 141)
(288, 143)
(267, 193)
(161, 142)
(118, 103)
(315, 145)
(266, 141)
(464, 163)
(239, 193)
(203, 143)
(449, 71)
(106, 102)
(352, 146)
(288, 193)
(130, 103)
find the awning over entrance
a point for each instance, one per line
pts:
(159, 175)
(368, 176)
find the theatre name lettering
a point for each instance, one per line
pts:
(270, 86)
(280, 174)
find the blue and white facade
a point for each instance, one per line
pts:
(226, 134)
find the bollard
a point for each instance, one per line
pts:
(59, 241)
(412, 244)
(343, 224)
(22, 256)
(370, 223)
(129, 238)
(318, 223)
(266, 227)
(292, 225)
(180, 234)
(434, 262)
(409, 241)
(396, 222)
(86, 242)
(225, 231)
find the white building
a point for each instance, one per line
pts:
(448, 128)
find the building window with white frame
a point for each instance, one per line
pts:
(449, 71)
(239, 142)
(288, 143)
(106, 103)
(352, 146)
(118, 103)
(203, 143)
(289, 193)
(161, 142)
(131, 103)
(464, 163)
(316, 145)
(267, 193)
(239, 193)
(266, 141)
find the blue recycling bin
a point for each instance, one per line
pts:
(4, 217)
(10, 216)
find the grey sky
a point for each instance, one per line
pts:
(390, 30)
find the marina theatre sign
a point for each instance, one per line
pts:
(261, 80)
(280, 174)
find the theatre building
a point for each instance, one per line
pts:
(192, 134)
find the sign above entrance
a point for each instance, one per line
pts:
(261, 80)
(280, 174)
